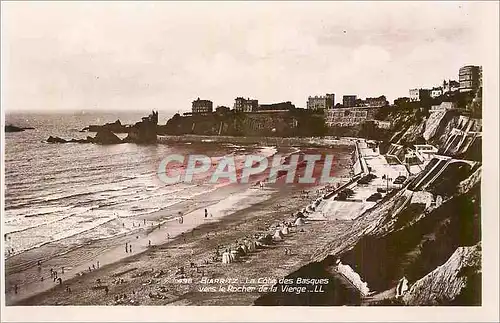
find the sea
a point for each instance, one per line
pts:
(73, 193)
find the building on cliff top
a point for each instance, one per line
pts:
(202, 106)
(450, 86)
(378, 102)
(349, 101)
(419, 94)
(321, 102)
(245, 105)
(348, 117)
(470, 78)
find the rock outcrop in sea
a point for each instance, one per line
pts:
(143, 132)
(12, 128)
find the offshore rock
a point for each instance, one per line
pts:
(106, 137)
(144, 132)
(12, 128)
(115, 127)
(56, 140)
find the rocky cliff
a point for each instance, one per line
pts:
(428, 231)
(293, 123)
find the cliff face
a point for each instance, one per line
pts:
(282, 124)
(144, 132)
(456, 282)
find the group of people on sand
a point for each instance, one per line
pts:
(275, 233)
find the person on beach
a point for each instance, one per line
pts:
(98, 264)
(62, 270)
(126, 247)
(168, 236)
(93, 266)
(59, 280)
(206, 213)
(16, 288)
(90, 269)
(130, 248)
(144, 221)
(149, 243)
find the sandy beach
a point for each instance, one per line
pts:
(164, 246)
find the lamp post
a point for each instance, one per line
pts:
(387, 180)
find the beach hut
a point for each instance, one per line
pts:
(299, 221)
(266, 239)
(278, 235)
(226, 258)
(234, 255)
(251, 245)
(241, 250)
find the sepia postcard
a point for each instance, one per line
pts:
(249, 161)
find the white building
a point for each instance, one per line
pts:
(450, 86)
(245, 105)
(383, 124)
(321, 102)
(419, 94)
(436, 92)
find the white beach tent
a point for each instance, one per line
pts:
(285, 230)
(226, 258)
(234, 255)
(299, 221)
(251, 245)
(278, 236)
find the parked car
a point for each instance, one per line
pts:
(374, 197)
(400, 180)
(366, 179)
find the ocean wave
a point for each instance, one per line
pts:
(76, 211)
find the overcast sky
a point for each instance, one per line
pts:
(65, 56)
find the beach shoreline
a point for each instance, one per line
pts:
(111, 252)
